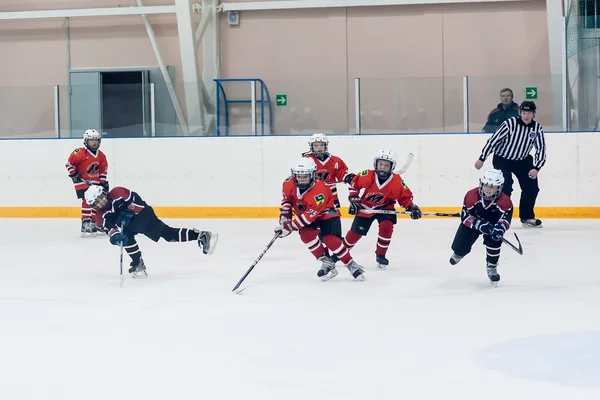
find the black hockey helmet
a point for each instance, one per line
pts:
(528, 105)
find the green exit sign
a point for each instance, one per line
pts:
(281, 100)
(531, 93)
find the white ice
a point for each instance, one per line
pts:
(421, 329)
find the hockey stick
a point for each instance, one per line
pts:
(434, 214)
(237, 289)
(512, 246)
(121, 257)
(406, 164)
(429, 214)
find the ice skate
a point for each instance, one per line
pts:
(356, 270)
(208, 241)
(327, 270)
(88, 228)
(138, 270)
(493, 274)
(455, 259)
(531, 223)
(382, 262)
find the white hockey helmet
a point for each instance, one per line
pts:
(96, 197)
(91, 134)
(305, 169)
(385, 155)
(318, 138)
(491, 184)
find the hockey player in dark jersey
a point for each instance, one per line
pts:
(123, 207)
(488, 211)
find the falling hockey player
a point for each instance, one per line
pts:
(123, 207)
(488, 211)
(312, 202)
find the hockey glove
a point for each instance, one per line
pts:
(125, 218)
(285, 214)
(76, 178)
(105, 187)
(349, 178)
(498, 231)
(119, 238)
(415, 211)
(354, 204)
(284, 229)
(483, 226)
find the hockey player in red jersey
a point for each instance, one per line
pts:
(330, 169)
(87, 165)
(488, 211)
(123, 207)
(382, 188)
(311, 200)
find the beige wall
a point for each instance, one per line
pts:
(411, 60)
(400, 53)
(34, 57)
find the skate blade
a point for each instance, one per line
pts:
(494, 284)
(526, 225)
(139, 275)
(360, 277)
(332, 274)
(212, 244)
(382, 266)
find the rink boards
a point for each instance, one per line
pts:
(241, 177)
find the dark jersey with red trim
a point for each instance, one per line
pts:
(122, 199)
(499, 210)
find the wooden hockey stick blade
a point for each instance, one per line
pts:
(512, 246)
(406, 164)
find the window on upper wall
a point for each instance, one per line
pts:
(589, 14)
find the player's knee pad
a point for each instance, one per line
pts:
(170, 234)
(307, 235)
(386, 228)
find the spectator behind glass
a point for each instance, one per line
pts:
(506, 109)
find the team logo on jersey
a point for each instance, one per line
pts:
(532, 134)
(319, 199)
(93, 169)
(374, 198)
(363, 173)
(323, 175)
(75, 151)
(301, 208)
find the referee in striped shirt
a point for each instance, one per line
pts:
(511, 144)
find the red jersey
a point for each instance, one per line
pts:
(331, 171)
(380, 196)
(316, 203)
(92, 167)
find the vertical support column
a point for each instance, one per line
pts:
(357, 105)
(465, 104)
(253, 106)
(189, 68)
(152, 110)
(556, 21)
(56, 112)
(211, 63)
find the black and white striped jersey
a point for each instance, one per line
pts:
(514, 140)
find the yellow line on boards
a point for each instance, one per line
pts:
(266, 212)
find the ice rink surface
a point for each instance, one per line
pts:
(421, 329)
